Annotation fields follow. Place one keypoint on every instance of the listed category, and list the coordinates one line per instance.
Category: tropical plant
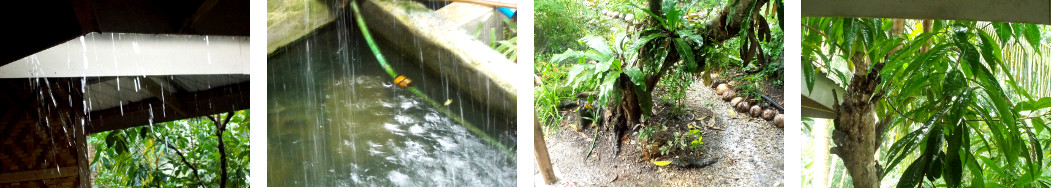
(942, 112)
(196, 152)
(509, 46)
(625, 68)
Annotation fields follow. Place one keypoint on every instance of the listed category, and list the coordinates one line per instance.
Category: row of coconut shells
(757, 109)
(627, 17)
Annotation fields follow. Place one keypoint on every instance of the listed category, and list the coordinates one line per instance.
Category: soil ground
(750, 151)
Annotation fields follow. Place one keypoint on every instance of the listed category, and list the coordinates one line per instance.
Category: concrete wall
(471, 65)
(289, 20)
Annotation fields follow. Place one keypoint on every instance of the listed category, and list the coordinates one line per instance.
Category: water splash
(338, 122)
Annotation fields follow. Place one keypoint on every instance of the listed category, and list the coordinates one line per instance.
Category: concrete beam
(1022, 11)
(125, 54)
(818, 103)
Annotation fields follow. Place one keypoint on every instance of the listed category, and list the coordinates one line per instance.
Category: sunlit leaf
(661, 163)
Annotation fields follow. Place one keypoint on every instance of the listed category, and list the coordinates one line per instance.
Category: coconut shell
(743, 106)
(769, 114)
(735, 101)
(779, 121)
(755, 111)
(729, 95)
(722, 88)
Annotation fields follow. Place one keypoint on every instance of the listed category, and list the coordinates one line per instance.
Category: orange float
(402, 81)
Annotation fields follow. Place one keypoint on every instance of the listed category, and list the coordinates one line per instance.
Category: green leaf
(636, 76)
(672, 18)
(1018, 31)
(603, 66)
(597, 43)
(934, 167)
(808, 75)
(850, 35)
(684, 51)
(934, 140)
(1035, 105)
(953, 163)
(649, 12)
(1003, 30)
(913, 174)
(1032, 34)
(573, 73)
(645, 101)
(901, 149)
(606, 88)
(143, 132)
(990, 50)
(111, 139)
(642, 41)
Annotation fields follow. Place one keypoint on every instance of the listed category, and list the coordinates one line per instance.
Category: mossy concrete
(289, 20)
(445, 49)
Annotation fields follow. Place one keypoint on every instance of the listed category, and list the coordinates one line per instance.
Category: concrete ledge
(1025, 11)
(446, 49)
(289, 20)
(475, 20)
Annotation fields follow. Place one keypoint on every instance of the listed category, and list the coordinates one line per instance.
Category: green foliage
(600, 67)
(953, 113)
(677, 83)
(509, 46)
(646, 133)
(559, 23)
(548, 95)
(146, 156)
(602, 64)
(695, 143)
(691, 139)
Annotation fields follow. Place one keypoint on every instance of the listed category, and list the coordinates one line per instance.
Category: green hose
(390, 71)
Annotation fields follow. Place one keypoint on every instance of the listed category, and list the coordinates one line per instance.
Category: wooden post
(542, 158)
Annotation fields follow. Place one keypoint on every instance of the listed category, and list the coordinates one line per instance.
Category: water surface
(335, 119)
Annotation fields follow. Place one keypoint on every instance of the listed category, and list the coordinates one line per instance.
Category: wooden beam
(212, 101)
(80, 138)
(205, 7)
(155, 88)
(33, 175)
(85, 16)
(543, 161)
(1020, 11)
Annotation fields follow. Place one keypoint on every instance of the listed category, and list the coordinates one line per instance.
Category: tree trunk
(855, 125)
(927, 28)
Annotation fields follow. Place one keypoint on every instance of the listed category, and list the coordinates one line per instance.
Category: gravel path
(750, 151)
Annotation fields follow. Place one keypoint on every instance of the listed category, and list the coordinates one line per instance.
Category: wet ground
(750, 151)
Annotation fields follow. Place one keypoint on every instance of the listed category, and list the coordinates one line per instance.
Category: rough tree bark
(855, 124)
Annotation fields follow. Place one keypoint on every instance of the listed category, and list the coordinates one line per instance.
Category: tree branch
(183, 159)
(220, 127)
